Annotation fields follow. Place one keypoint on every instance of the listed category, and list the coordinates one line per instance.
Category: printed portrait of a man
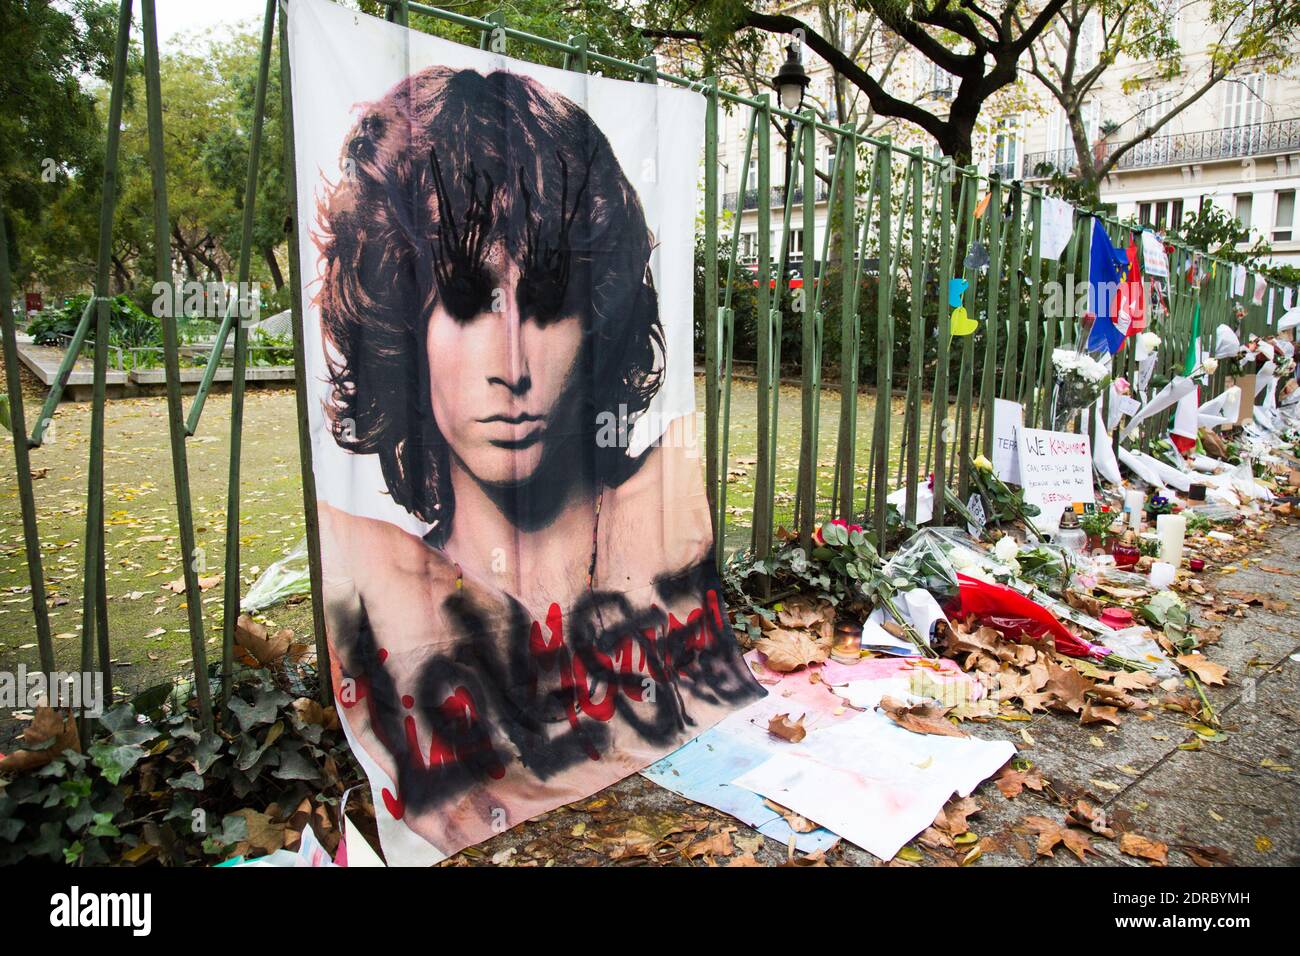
(487, 308)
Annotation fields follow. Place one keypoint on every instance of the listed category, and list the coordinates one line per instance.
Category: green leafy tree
(1088, 38)
(51, 135)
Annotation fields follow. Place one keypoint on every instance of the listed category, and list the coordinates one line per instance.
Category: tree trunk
(268, 253)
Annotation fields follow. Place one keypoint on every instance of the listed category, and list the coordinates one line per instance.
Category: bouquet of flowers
(1080, 378)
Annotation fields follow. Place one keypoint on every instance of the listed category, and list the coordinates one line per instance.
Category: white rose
(1006, 549)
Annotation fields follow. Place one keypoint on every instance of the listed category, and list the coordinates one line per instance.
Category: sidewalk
(1232, 800)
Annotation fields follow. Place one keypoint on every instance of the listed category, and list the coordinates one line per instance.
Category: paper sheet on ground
(874, 783)
(705, 769)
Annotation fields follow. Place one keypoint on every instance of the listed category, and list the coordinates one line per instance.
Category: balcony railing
(778, 197)
(1255, 139)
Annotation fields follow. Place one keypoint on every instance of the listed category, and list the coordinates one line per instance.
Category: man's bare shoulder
(366, 548)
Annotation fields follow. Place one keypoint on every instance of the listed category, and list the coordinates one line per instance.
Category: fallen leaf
(787, 650)
(1133, 844)
(782, 726)
(1208, 671)
(920, 718)
(1013, 782)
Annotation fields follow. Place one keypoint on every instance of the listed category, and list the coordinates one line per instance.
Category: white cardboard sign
(1008, 419)
(1055, 469)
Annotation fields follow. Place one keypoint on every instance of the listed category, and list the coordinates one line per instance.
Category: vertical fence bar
(1015, 289)
(939, 414)
(171, 362)
(884, 345)
(915, 341)
(231, 597)
(761, 532)
(965, 388)
(848, 332)
(300, 371)
(711, 342)
(810, 358)
(988, 383)
(91, 616)
(22, 461)
(1030, 362)
(727, 321)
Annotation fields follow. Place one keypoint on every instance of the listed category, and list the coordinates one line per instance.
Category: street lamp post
(791, 81)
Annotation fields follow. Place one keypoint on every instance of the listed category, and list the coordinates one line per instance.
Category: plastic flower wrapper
(922, 562)
(1046, 566)
(933, 557)
(1080, 379)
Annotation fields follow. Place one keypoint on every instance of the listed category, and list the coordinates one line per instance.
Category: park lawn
(147, 622)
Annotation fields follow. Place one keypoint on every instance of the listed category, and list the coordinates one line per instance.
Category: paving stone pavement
(1221, 796)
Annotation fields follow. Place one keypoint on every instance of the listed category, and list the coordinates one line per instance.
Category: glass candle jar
(846, 645)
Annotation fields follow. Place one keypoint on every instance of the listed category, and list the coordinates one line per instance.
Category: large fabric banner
(497, 262)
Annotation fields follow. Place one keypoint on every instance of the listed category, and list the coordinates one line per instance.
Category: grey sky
(195, 16)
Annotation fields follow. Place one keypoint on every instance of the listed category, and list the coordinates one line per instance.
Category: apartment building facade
(1237, 147)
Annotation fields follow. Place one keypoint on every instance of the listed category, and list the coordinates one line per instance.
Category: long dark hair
(447, 164)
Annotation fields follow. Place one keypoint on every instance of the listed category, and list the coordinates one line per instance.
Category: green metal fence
(900, 226)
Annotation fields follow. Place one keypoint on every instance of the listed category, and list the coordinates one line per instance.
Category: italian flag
(1183, 434)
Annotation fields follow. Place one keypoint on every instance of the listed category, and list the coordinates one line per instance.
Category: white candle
(1172, 530)
(1162, 575)
(1133, 502)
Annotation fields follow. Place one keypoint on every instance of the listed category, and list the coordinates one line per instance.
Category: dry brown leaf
(1050, 833)
(1084, 814)
(787, 650)
(797, 823)
(1134, 680)
(251, 635)
(717, 844)
(1013, 782)
(952, 818)
(1208, 671)
(1067, 687)
(921, 718)
(178, 586)
(47, 725)
(1099, 713)
(1078, 843)
(1133, 844)
(1207, 855)
(782, 726)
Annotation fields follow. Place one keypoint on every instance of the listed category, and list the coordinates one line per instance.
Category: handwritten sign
(1055, 469)
(1008, 418)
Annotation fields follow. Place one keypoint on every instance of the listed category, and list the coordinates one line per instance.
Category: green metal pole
(22, 462)
(884, 346)
(300, 374)
(916, 342)
(231, 597)
(939, 413)
(761, 532)
(1015, 290)
(848, 333)
(804, 515)
(91, 614)
(63, 374)
(966, 381)
(711, 341)
(190, 553)
(1029, 363)
(988, 382)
